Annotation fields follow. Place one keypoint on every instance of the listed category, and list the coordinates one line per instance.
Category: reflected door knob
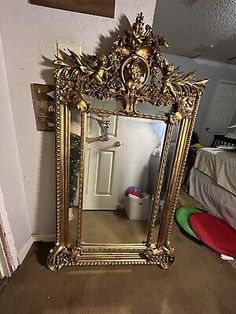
(117, 144)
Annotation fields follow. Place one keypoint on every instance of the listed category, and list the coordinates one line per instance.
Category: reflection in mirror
(74, 163)
(111, 216)
(154, 168)
(108, 161)
(148, 108)
(116, 197)
(169, 162)
(111, 104)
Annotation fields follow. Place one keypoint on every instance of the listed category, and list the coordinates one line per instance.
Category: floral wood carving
(163, 256)
(61, 256)
(134, 71)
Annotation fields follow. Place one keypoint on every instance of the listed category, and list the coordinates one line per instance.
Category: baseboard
(44, 237)
(23, 252)
(32, 239)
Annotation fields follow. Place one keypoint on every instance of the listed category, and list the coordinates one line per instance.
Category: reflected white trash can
(137, 208)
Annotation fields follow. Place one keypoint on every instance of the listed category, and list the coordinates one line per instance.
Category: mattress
(213, 196)
(220, 165)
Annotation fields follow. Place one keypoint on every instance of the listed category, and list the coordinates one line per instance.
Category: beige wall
(137, 147)
(29, 34)
(11, 179)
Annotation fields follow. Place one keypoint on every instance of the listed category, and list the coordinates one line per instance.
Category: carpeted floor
(198, 282)
(97, 228)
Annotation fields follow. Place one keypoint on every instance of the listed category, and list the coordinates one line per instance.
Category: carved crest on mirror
(134, 72)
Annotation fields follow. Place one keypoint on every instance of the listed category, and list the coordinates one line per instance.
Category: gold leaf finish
(134, 71)
(162, 256)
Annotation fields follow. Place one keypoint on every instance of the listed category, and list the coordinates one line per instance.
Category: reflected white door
(123, 161)
(102, 168)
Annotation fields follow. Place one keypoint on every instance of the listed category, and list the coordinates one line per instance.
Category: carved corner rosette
(184, 90)
(163, 256)
(63, 256)
(134, 71)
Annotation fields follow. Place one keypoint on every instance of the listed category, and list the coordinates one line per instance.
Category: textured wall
(11, 181)
(29, 33)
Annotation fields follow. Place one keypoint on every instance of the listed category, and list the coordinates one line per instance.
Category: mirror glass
(168, 170)
(148, 108)
(105, 104)
(117, 183)
(122, 161)
(74, 155)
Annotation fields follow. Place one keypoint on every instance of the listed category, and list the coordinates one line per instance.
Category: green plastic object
(181, 215)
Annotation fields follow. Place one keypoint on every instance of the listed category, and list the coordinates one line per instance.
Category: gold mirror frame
(151, 78)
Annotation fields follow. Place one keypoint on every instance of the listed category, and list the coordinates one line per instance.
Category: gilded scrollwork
(134, 71)
(163, 256)
(184, 89)
(63, 256)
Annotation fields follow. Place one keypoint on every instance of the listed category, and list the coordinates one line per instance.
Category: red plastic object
(134, 191)
(214, 232)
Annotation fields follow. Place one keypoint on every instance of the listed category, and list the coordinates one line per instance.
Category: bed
(212, 180)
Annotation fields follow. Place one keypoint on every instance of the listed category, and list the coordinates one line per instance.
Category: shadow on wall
(47, 73)
(46, 205)
(106, 42)
(45, 223)
(104, 47)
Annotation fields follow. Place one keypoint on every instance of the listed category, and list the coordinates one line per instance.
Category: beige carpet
(115, 226)
(110, 227)
(198, 283)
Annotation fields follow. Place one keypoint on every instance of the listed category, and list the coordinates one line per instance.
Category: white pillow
(231, 132)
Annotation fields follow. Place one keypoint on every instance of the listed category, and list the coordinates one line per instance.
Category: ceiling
(198, 28)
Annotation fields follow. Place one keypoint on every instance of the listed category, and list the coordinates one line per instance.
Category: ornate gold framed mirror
(123, 127)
